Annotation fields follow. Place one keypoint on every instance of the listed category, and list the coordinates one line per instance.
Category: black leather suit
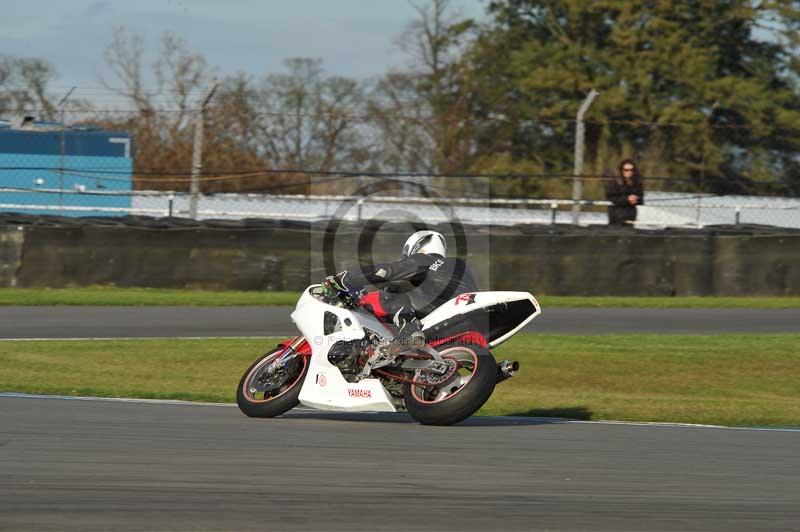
(417, 284)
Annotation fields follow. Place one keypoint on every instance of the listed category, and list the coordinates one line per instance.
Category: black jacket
(617, 192)
(427, 280)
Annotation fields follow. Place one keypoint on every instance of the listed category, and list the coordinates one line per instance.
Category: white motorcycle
(337, 363)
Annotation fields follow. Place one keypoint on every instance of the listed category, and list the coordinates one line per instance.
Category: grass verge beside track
(745, 380)
(112, 296)
(141, 297)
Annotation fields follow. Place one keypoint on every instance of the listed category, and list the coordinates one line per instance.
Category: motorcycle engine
(349, 357)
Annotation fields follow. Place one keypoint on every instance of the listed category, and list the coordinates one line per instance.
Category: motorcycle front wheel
(266, 392)
(461, 395)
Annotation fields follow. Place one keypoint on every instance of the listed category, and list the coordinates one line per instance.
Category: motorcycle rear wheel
(255, 402)
(460, 396)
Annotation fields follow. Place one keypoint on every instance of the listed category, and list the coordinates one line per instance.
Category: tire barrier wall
(11, 239)
(542, 259)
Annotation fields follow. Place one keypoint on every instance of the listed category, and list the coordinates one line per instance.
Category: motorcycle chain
(424, 383)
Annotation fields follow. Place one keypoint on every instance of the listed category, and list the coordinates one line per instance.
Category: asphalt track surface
(138, 322)
(106, 465)
(69, 464)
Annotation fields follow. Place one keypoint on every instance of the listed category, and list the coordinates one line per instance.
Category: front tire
(262, 395)
(461, 395)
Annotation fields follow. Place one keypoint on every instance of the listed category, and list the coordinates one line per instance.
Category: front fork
(291, 350)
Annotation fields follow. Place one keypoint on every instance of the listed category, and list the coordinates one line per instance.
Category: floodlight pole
(62, 117)
(197, 149)
(580, 133)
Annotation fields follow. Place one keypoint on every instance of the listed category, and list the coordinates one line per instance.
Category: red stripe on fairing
(468, 337)
(372, 301)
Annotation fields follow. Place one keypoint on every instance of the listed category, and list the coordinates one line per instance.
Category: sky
(354, 38)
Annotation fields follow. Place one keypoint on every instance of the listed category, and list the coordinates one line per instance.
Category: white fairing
(324, 386)
(502, 313)
(478, 301)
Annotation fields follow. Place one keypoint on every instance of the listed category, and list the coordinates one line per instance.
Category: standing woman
(625, 192)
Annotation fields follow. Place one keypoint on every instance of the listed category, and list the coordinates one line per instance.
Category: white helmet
(426, 242)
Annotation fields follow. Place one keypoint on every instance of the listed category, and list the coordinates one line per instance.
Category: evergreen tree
(703, 89)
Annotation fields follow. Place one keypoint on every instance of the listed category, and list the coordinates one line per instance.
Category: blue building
(77, 172)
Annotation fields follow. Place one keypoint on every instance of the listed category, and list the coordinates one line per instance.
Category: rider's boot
(409, 338)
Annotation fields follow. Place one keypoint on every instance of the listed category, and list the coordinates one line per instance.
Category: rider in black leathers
(412, 287)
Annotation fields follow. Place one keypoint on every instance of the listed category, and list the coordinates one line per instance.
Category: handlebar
(340, 298)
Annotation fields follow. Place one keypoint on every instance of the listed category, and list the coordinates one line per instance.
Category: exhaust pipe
(506, 370)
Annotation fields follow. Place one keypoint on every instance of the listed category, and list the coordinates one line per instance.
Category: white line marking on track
(683, 425)
(323, 412)
(112, 399)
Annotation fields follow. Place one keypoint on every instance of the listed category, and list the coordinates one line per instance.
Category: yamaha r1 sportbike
(338, 362)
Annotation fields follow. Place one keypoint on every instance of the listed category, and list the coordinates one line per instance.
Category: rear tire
(259, 403)
(460, 396)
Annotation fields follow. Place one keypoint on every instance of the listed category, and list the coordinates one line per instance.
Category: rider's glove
(334, 284)
(337, 281)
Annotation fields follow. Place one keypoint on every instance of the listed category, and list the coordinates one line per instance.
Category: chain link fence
(261, 163)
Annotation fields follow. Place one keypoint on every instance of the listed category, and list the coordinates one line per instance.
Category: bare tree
(23, 86)
(162, 118)
(309, 120)
(426, 108)
(399, 120)
(124, 56)
(178, 75)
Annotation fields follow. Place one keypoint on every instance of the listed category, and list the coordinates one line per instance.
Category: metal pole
(580, 132)
(197, 149)
(706, 139)
(62, 117)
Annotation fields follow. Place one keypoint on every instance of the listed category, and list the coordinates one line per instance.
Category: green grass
(112, 296)
(745, 380)
(669, 302)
